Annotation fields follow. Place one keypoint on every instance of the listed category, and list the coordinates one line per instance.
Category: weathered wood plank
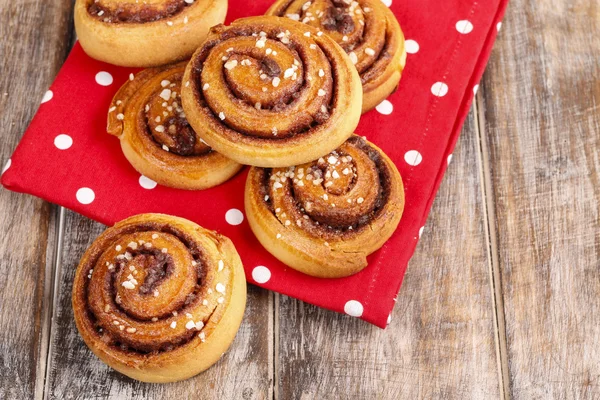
(542, 123)
(32, 47)
(441, 340)
(74, 372)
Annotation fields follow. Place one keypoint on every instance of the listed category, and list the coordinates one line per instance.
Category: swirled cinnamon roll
(156, 138)
(158, 298)
(145, 33)
(271, 92)
(366, 29)
(325, 217)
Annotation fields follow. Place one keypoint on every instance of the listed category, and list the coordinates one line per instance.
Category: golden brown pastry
(158, 298)
(147, 33)
(146, 115)
(271, 92)
(325, 217)
(366, 29)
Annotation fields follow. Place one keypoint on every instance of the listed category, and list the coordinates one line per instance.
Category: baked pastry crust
(325, 217)
(147, 117)
(132, 33)
(271, 92)
(158, 298)
(366, 29)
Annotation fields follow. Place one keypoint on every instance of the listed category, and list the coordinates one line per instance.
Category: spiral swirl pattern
(366, 29)
(154, 288)
(145, 33)
(146, 114)
(264, 87)
(324, 217)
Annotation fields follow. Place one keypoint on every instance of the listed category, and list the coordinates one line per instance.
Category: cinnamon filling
(136, 13)
(158, 267)
(338, 194)
(167, 123)
(255, 71)
(379, 66)
(152, 266)
(338, 19)
(361, 31)
(270, 67)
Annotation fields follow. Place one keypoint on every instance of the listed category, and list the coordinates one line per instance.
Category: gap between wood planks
(52, 273)
(489, 214)
(274, 345)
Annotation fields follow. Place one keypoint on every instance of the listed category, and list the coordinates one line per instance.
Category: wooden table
(500, 300)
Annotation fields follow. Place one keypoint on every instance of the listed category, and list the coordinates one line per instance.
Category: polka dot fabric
(67, 157)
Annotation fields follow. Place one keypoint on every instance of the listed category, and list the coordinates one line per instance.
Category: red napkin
(66, 157)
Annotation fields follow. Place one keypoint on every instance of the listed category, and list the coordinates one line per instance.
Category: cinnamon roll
(366, 29)
(146, 33)
(325, 217)
(146, 115)
(158, 298)
(271, 92)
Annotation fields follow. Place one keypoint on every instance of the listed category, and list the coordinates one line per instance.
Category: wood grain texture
(441, 340)
(32, 48)
(74, 372)
(540, 134)
(542, 124)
